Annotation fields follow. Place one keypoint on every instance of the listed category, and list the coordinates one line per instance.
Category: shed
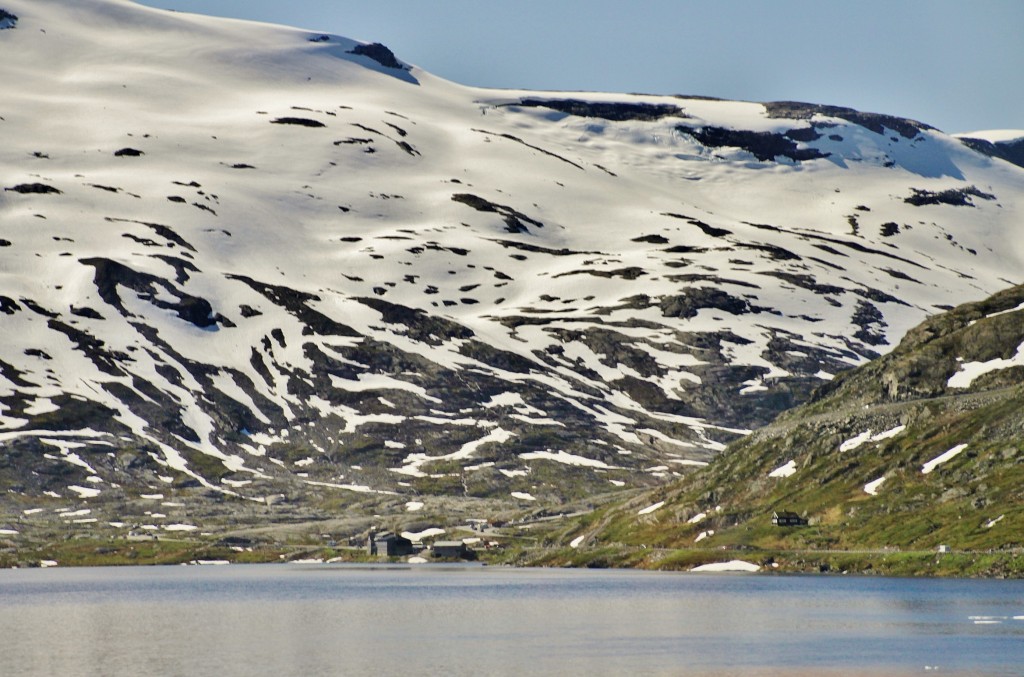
(786, 518)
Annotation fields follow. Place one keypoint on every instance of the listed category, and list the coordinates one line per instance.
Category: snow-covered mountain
(254, 259)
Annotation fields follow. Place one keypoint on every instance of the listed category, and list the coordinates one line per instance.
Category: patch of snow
(565, 458)
(414, 506)
(575, 543)
(704, 534)
(698, 518)
(180, 527)
(84, 492)
(969, 371)
(942, 458)
(854, 442)
(786, 470)
(731, 566)
(523, 496)
(873, 487)
(8, 532)
(867, 436)
(992, 523)
(417, 536)
(152, 497)
(416, 559)
(651, 508)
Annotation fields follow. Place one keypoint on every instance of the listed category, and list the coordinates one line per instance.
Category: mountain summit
(248, 260)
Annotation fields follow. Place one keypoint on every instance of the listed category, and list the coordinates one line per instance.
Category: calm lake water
(431, 620)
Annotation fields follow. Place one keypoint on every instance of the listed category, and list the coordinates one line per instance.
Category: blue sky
(953, 64)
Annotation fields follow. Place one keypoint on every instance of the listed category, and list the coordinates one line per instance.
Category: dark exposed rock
(765, 146)
(871, 323)
(301, 122)
(805, 282)
(616, 112)
(7, 20)
(1011, 151)
(8, 306)
(379, 53)
(796, 110)
(652, 239)
(33, 188)
(957, 197)
(705, 228)
(421, 326)
(295, 302)
(128, 152)
(513, 218)
(692, 301)
(111, 274)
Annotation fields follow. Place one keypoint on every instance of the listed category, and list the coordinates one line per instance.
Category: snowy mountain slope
(255, 259)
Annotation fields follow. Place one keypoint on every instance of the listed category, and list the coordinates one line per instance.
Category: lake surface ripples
(436, 619)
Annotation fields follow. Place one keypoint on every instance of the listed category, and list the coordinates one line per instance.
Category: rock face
(296, 287)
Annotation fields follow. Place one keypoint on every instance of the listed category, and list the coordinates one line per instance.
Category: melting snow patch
(872, 487)
(84, 492)
(8, 532)
(734, 565)
(180, 527)
(47, 563)
(420, 535)
(972, 370)
(942, 458)
(413, 506)
(31, 511)
(854, 442)
(704, 534)
(866, 436)
(651, 508)
(152, 497)
(523, 496)
(416, 559)
(575, 543)
(565, 458)
(992, 523)
(784, 470)
(698, 518)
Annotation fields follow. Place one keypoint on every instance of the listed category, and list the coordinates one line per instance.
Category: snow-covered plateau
(256, 260)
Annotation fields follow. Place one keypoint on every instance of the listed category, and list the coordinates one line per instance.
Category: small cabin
(451, 550)
(785, 518)
(389, 545)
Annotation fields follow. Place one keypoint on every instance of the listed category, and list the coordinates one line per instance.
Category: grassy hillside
(940, 421)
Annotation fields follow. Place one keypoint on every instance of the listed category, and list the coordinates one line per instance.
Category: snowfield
(256, 255)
